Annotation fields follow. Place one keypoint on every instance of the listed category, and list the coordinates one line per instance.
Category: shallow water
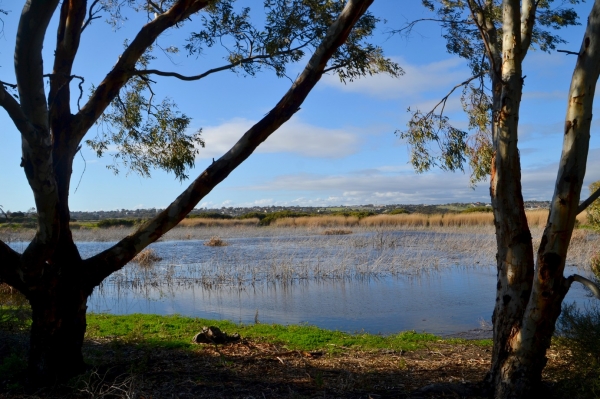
(442, 283)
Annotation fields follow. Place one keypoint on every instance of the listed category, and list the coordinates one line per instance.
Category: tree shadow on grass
(254, 369)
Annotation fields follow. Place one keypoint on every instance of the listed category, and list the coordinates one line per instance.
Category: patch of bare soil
(250, 369)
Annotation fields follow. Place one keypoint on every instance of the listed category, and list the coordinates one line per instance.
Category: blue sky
(340, 148)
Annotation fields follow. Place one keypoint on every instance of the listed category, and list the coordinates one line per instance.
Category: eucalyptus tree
(494, 37)
(331, 35)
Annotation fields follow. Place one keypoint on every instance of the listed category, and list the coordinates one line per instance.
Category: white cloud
(398, 185)
(294, 136)
(418, 79)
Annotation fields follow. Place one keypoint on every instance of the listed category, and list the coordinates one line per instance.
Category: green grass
(177, 332)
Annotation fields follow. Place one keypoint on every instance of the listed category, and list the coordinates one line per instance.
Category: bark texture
(530, 293)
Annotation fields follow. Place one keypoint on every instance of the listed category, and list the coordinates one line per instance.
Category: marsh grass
(535, 218)
(336, 232)
(282, 257)
(215, 241)
(211, 222)
(146, 258)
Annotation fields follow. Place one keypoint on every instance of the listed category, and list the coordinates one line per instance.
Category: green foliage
(106, 223)
(291, 28)
(593, 211)
(398, 211)
(357, 214)
(147, 135)
(579, 332)
(270, 217)
(209, 215)
(15, 313)
(434, 141)
(475, 209)
(253, 215)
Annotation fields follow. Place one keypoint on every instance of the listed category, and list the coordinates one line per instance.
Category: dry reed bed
(534, 218)
(366, 254)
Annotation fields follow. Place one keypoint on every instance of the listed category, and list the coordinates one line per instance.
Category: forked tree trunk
(520, 355)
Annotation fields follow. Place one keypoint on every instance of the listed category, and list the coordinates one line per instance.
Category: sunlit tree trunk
(522, 335)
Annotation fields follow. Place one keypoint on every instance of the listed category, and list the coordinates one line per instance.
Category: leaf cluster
(593, 211)
(146, 134)
(460, 21)
(141, 134)
(291, 29)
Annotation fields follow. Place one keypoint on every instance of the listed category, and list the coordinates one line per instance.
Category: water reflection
(379, 282)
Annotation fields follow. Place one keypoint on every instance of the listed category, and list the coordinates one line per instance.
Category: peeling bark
(529, 300)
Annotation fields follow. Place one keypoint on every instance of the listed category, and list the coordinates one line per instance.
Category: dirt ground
(250, 369)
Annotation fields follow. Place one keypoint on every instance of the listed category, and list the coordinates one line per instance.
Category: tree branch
(567, 52)
(37, 147)
(29, 62)
(582, 207)
(487, 30)
(91, 15)
(13, 108)
(443, 101)
(219, 69)
(406, 30)
(589, 284)
(528, 9)
(124, 68)
(72, 15)
(105, 263)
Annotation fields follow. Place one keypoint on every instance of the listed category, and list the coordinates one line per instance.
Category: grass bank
(152, 356)
(177, 332)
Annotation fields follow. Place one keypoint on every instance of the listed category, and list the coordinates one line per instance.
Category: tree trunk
(520, 356)
(57, 330)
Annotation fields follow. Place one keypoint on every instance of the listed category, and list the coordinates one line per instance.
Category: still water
(368, 282)
(378, 282)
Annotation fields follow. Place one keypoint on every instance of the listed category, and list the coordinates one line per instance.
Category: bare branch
(589, 284)
(103, 264)
(72, 15)
(443, 101)
(582, 207)
(567, 52)
(248, 60)
(92, 15)
(407, 29)
(124, 68)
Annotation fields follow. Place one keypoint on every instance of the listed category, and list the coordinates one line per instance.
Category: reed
(210, 222)
(215, 241)
(146, 258)
(336, 232)
(317, 221)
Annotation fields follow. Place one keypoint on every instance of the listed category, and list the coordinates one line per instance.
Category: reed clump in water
(215, 241)
(336, 232)
(146, 258)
